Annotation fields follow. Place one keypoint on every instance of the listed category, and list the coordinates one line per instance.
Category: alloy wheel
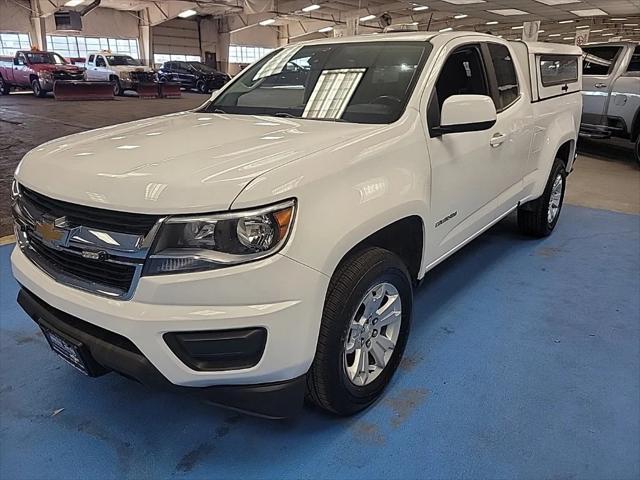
(372, 335)
(555, 199)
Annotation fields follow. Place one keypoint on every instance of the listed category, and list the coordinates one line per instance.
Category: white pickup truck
(123, 71)
(266, 245)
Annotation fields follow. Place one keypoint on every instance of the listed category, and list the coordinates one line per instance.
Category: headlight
(45, 75)
(124, 75)
(188, 244)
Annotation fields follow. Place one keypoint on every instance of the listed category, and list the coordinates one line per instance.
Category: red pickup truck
(35, 70)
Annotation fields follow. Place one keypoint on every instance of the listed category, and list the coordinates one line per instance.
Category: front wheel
(201, 86)
(37, 88)
(4, 88)
(117, 88)
(365, 326)
(538, 218)
(637, 149)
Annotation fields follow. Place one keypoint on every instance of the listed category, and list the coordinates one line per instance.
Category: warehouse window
(73, 47)
(11, 42)
(160, 58)
(247, 54)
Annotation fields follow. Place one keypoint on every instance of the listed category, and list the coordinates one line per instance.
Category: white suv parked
(267, 243)
(123, 71)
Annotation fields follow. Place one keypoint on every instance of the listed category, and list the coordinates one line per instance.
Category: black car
(194, 75)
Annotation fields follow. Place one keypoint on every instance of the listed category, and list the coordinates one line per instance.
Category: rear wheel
(4, 88)
(37, 88)
(365, 326)
(538, 218)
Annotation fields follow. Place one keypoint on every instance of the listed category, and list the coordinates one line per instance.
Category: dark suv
(194, 75)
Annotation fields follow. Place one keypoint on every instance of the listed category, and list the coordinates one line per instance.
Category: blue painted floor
(524, 361)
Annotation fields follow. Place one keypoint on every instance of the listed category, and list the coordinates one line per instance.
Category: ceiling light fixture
(419, 8)
(590, 12)
(448, 29)
(325, 29)
(540, 31)
(607, 34)
(464, 2)
(554, 34)
(507, 12)
(630, 24)
(492, 22)
(557, 2)
(311, 8)
(187, 13)
(367, 18)
(568, 38)
(268, 21)
(566, 21)
(618, 19)
(583, 26)
(460, 16)
(519, 27)
(598, 31)
(73, 3)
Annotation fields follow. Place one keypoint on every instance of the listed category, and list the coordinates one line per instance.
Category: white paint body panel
(350, 180)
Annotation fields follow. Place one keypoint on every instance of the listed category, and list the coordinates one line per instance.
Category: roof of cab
(552, 48)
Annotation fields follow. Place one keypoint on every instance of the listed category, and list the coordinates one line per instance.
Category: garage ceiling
(605, 17)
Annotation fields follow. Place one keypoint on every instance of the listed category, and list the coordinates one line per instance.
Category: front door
(598, 73)
(100, 71)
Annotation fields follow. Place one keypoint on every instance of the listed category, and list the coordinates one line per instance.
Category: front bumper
(278, 294)
(111, 352)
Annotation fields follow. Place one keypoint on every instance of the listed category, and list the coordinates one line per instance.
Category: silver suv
(611, 92)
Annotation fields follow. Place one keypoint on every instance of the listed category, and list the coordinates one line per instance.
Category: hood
(180, 163)
(47, 67)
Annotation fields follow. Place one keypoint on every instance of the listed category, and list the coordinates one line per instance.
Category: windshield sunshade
(368, 82)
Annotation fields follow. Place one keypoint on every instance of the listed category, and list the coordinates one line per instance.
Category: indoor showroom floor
(524, 361)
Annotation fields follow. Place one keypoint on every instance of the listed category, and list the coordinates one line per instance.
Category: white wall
(103, 22)
(176, 36)
(15, 17)
(257, 36)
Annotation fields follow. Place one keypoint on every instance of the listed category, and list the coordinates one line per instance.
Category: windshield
(202, 67)
(122, 60)
(367, 82)
(45, 57)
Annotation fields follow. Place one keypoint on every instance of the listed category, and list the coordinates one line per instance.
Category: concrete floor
(523, 362)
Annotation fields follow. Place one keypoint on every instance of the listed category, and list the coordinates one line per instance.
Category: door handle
(600, 85)
(497, 139)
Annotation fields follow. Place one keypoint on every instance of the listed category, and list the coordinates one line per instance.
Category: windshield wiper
(284, 115)
(218, 110)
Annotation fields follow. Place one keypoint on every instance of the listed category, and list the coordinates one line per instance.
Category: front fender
(349, 191)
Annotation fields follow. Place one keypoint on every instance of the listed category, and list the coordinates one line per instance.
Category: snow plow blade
(77, 90)
(169, 90)
(147, 90)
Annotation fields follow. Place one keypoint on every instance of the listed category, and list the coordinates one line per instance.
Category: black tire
(4, 88)
(637, 149)
(201, 86)
(533, 218)
(37, 88)
(328, 384)
(117, 88)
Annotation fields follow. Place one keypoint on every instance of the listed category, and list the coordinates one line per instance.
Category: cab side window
(634, 64)
(91, 58)
(506, 77)
(100, 61)
(462, 74)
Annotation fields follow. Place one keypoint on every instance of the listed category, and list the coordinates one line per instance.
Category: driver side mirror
(466, 113)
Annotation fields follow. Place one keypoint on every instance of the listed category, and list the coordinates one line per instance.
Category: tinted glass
(45, 57)
(462, 74)
(634, 64)
(599, 60)
(557, 69)
(91, 57)
(505, 75)
(100, 62)
(122, 60)
(358, 82)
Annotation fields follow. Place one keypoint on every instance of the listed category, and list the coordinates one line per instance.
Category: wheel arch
(404, 237)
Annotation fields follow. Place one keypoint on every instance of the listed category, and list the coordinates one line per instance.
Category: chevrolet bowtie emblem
(50, 231)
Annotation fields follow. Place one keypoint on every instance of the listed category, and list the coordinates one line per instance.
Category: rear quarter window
(558, 69)
(600, 60)
(506, 76)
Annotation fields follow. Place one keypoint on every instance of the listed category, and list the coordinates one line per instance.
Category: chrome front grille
(97, 250)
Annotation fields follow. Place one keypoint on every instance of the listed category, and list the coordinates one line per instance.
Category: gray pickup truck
(611, 92)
